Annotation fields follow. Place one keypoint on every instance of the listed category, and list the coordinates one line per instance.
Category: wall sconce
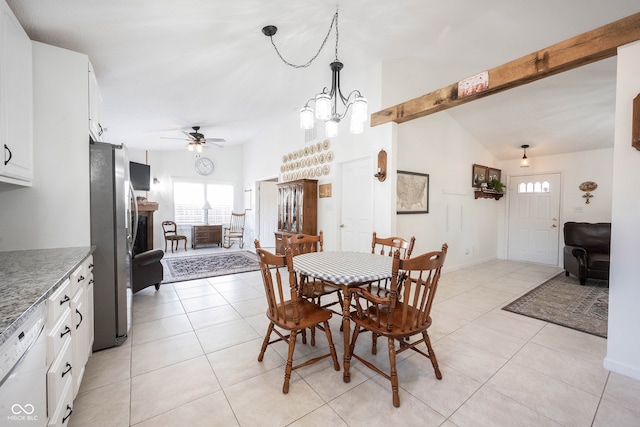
(382, 166)
(206, 208)
(524, 163)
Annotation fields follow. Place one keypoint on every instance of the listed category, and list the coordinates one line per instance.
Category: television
(140, 176)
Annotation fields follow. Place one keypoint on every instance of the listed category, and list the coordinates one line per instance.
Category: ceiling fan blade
(180, 139)
(216, 140)
(190, 136)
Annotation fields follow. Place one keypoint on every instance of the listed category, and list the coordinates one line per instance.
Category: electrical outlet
(577, 209)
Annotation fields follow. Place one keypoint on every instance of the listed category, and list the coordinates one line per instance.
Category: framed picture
(412, 193)
(494, 174)
(479, 175)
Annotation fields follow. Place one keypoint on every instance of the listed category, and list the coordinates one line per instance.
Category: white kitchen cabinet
(82, 314)
(16, 100)
(95, 107)
(69, 340)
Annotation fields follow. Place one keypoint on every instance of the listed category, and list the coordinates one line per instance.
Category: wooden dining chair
(170, 230)
(288, 311)
(386, 246)
(309, 287)
(405, 312)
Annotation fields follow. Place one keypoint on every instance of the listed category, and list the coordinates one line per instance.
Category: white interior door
(356, 220)
(268, 213)
(534, 209)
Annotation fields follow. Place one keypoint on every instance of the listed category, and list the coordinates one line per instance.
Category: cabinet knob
(341, 225)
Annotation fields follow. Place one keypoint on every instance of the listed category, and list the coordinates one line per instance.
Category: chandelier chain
(333, 21)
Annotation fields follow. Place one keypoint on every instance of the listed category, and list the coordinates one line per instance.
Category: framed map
(412, 193)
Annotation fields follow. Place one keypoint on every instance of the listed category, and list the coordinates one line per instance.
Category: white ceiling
(165, 65)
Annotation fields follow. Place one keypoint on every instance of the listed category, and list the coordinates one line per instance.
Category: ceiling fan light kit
(326, 102)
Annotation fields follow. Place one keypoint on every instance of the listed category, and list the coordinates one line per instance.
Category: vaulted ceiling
(165, 65)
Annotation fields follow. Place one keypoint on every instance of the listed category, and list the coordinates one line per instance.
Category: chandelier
(328, 102)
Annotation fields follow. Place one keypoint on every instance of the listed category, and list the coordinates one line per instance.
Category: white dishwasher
(23, 374)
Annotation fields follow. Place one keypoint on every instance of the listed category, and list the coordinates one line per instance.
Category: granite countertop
(28, 277)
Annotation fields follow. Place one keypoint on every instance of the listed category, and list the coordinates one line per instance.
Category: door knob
(341, 225)
(554, 226)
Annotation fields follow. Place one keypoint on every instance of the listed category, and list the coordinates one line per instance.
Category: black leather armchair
(146, 270)
(587, 249)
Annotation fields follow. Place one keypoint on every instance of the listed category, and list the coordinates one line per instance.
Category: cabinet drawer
(59, 376)
(58, 302)
(62, 412)
(58, 336)
(76, 279)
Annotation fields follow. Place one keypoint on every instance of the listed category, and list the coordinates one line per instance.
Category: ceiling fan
(197, 140)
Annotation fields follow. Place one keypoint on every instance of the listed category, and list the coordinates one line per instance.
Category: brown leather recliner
(146, 270)
(587, 249)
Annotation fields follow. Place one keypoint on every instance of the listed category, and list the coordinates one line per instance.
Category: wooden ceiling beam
(592, 46)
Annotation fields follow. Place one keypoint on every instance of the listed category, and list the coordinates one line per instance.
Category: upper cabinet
(95, 108)
(16, 100)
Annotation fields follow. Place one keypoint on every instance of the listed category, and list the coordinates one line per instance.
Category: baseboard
(621, 368)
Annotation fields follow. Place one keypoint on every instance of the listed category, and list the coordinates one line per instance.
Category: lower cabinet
(206, 235)
(69, 341)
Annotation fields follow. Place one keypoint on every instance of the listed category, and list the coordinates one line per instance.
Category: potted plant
(496, 185)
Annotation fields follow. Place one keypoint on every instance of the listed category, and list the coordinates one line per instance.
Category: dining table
(347, 270)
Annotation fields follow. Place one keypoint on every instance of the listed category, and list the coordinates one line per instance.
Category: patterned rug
(199, 266)
(563, 301)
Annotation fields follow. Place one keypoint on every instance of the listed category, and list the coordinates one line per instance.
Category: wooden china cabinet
(297, 209)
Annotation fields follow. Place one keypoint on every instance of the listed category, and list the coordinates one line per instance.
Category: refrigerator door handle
(135, 216)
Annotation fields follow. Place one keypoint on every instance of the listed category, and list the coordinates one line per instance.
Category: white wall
(439, 146)
(623, 343)
(55, 212)
(168, 165)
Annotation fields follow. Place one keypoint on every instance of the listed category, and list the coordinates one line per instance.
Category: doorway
(267, 212)
(356, 210)
(534, 215)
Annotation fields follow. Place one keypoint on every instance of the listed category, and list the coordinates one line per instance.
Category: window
(534, 187)
(189, 197)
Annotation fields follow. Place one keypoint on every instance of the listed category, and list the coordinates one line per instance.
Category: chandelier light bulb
(190, 147)
(323, 106)
(359, 109)
(307, 120)
(331, 128)
(199, 148)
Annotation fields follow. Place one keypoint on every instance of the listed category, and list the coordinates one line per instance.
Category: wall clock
(204, 166)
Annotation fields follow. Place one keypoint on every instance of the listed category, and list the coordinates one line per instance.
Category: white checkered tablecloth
(343, 268)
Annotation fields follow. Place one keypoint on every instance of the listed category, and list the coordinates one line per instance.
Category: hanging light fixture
(327, 102)
(524, 163)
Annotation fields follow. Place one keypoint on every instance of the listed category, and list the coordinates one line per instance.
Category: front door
(534, 213)
(356, 220)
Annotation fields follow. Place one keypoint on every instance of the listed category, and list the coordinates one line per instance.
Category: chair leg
(332, 348)
(432, 355)
(394, 373)
(265, 342)
(313, 336)
(289, 367)
(374, 343)
(185, 245)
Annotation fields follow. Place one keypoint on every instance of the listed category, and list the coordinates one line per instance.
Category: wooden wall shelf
(487, 194)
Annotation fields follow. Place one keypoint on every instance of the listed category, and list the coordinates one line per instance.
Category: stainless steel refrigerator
(112, 236)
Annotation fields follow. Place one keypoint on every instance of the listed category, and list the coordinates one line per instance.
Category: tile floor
(192, 361)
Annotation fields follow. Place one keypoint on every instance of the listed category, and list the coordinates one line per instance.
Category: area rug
(192, 267)
(563, 301)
